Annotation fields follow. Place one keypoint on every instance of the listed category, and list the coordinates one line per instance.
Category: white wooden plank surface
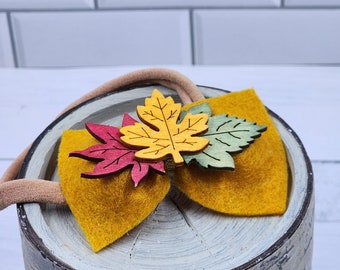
(307, 97)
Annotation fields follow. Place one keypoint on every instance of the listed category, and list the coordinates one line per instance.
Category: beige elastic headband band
(38, 190)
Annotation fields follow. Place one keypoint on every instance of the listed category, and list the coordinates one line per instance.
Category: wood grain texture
(179, 233)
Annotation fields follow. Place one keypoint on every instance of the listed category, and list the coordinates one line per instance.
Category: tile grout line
(12, 39)
(192, 37)
(320, 161)
(7, 159)
(96, 6)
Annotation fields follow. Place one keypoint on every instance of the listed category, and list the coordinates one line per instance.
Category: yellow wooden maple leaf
(163, 136)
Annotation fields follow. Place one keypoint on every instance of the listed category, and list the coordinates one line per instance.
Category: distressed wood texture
(179, 234)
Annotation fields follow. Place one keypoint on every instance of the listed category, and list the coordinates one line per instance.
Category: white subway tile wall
(46, 4)
(267, 36)
(312, 3)
(102, 38)
(64, 33)
(187, 3)
(6, 54)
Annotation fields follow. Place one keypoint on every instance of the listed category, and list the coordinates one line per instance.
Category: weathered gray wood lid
(179, 234)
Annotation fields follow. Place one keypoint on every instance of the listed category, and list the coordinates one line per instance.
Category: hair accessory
(112, 155)
(112, 178)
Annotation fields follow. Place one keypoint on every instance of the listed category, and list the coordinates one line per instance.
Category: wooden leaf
(161, 136)
(128, 120)
(212, 156)
(201, 108)
(226, 135)
(113, 156)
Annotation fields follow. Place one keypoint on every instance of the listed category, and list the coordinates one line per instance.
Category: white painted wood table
(306, 97)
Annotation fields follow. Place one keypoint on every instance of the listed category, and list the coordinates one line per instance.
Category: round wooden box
(179, 234)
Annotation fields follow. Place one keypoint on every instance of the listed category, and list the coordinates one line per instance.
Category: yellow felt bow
(107, 208)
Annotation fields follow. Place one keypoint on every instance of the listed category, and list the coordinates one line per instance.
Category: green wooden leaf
(226, 135)
(213, 156)
(202, 108)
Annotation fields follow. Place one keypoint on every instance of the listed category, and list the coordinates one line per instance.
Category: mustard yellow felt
(109, 207)
(258, 185)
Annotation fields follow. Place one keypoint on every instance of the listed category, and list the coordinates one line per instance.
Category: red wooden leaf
(113, 156)
(128, 120)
